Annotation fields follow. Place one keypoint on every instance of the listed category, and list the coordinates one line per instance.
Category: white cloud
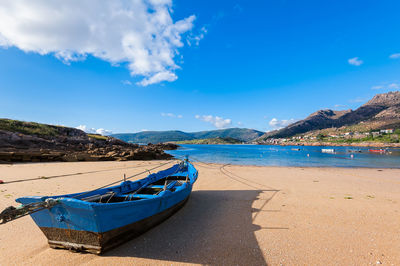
(277, 124)
(171, 115)
(157, 78)
(140, 33)
(126, 82)
(103, 131)
(357, 100)
(394, 56)
(85, 128)
(339, 106)
(216, 121)
(387, 86)
(168, 114)
(355, 61)
(4, 42)
(195, 39)
(92, 130)
(380, 87)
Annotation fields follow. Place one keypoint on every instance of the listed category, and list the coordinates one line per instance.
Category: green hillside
(217, 140)
(241, 134)
(153, 136)
(29, 128)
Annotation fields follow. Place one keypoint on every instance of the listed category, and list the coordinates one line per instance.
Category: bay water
(300, 156)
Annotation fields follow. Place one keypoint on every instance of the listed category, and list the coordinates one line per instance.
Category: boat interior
(134, 191)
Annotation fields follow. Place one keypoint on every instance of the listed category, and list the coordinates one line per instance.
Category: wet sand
(236, 215)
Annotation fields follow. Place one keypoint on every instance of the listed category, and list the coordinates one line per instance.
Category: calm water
(286, 156)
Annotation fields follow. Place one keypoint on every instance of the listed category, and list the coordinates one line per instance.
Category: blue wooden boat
(98, 220)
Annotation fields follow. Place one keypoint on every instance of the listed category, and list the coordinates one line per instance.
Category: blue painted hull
(94, 221)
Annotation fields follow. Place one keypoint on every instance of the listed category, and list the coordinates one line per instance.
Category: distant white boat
(328, 150)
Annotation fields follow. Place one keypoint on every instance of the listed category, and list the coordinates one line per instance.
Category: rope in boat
(145, 185)
(118, 181)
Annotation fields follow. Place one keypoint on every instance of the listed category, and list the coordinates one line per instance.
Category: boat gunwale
(69, 198)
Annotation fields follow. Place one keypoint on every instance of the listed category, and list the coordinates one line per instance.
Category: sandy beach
(236, 215)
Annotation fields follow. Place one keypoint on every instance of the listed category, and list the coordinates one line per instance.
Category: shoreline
(313, 144)
(300, 167)
(330, 144)
(207, 163)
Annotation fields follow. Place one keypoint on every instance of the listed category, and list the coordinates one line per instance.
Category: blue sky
(255, 64)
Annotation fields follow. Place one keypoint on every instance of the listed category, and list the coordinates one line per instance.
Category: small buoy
(308, 155)
(351, 156)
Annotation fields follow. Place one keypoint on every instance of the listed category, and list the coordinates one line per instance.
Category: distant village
(384, 135)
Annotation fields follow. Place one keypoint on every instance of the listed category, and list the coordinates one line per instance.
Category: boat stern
(70, 224)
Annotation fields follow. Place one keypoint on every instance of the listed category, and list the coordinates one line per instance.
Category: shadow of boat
(215, 227)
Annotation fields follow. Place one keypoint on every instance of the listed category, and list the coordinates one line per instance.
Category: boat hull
(98, 220)
(97, 243)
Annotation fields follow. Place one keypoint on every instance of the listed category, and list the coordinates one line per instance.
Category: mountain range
(381, 112)
(241, 134)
